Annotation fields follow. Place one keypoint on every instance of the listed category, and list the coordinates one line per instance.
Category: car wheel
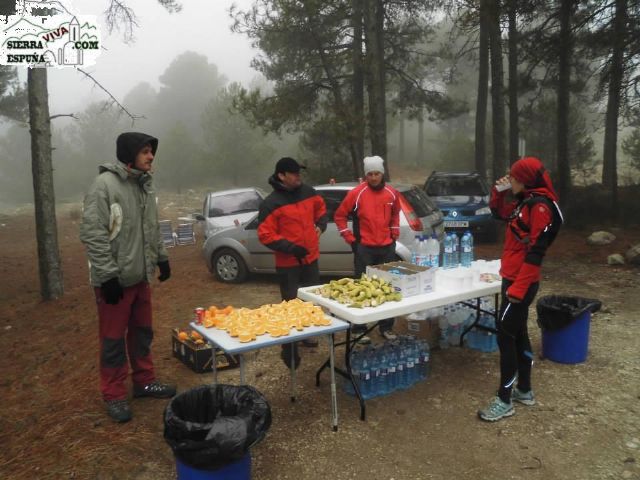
(228, 266)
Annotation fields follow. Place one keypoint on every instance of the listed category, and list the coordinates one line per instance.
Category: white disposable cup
(501, 187)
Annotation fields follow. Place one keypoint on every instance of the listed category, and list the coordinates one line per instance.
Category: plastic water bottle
(400, 366)
(423, 252)
(447, 261)
(423, 360)
(456, 250)
(415, 248)
(392, 368)
(433, 247)
(466, 253)
(443, 323)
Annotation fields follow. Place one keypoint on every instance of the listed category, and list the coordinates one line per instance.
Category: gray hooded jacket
(120, 221)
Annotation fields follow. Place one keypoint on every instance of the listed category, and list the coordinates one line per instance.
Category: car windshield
(450, 186)
(231, 203)
(419, 201)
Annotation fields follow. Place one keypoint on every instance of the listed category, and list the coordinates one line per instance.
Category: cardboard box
(424, 329)
(199, 357)
(406, 278)
(426, 275)
(407, 282)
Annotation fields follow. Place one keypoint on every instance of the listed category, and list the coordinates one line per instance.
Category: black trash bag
(209, 426)
(557, 311)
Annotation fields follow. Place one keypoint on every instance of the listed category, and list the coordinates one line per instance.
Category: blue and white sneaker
(526, 398)
(496, 410)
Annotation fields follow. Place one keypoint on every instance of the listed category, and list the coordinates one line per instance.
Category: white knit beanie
(373, 164)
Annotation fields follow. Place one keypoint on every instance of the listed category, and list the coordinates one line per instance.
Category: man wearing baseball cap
(291, 220)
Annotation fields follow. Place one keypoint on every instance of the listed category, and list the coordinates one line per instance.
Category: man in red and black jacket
(291, 220)
(375, 207)
(533, 219)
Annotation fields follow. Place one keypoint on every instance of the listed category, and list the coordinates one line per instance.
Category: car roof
(401, 187)
(231, 191)
(454, 174)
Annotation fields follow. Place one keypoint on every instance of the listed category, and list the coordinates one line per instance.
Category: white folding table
(233, 346)
(415, 303)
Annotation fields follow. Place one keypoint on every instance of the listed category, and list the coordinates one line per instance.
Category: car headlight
(483, 211)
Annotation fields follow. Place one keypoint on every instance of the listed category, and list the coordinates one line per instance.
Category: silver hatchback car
(233, 252)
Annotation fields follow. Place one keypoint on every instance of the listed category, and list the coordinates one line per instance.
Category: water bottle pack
(383, 369)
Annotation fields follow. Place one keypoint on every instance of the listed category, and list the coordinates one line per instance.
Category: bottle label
(400, 367)
(410, 364)
(376, 373)
(365, 376)
(383, 372)
(392, 370)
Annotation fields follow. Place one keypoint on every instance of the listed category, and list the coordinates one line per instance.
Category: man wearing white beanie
(375, 208)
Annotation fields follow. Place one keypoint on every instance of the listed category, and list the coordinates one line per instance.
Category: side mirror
(199, 217)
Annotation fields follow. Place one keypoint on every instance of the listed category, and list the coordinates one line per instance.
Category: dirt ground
(586, 424)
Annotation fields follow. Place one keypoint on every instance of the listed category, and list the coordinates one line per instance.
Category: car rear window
(332, 199)
(451, 186)
(234, 203)
(419, 201)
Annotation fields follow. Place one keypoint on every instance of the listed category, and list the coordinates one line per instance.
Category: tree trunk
(374, 38)
(514, 131)
(401, 139)
(50, 270)
(420, 152)
(358, 89)
(483, 91)
(565, 50)
(616, 71)
(497, 87)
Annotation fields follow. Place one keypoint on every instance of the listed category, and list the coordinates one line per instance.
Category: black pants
(516, 356)
(364, 256)
(292, 278)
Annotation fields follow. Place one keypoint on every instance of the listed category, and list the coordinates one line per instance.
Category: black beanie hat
(129, 144)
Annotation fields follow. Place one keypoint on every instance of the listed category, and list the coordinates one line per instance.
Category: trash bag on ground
(558, 311)
(211, 426)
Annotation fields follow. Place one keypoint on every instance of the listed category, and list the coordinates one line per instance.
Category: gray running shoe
(496, 410)
(526, 398)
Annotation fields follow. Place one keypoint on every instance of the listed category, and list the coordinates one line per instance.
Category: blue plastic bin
(240, 470)
(569, 344)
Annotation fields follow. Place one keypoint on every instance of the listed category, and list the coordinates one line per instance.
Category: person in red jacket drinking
(375, 207)
(291, 220)
(533, 221)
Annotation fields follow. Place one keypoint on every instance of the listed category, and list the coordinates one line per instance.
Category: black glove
(112, 291)
(165, 270)
(299, 251)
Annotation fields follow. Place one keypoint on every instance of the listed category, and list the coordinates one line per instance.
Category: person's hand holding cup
(503, 184)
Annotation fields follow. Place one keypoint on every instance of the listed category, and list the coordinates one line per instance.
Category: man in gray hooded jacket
(121, 233)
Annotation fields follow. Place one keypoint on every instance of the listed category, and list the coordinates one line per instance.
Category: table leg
(293, 375)
(347, 363)
(334, 398)
(214, 366)
(242, 372)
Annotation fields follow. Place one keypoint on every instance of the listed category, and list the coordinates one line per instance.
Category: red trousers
(125, 328)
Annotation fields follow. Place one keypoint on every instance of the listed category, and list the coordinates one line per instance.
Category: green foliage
(14, 104)
(538, 128)
(631, 146)
(234, 150)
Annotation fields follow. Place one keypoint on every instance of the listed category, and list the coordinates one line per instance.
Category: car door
(262, 258)
(335, 254)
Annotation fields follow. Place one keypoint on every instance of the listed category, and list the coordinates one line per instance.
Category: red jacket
(288, 218)
(376, 215)
(529, 233)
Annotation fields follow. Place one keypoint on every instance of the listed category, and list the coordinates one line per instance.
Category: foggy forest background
(305, 97)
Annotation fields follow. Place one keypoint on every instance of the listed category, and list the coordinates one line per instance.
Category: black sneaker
(155, 390)
(118, 410)
(285, 355)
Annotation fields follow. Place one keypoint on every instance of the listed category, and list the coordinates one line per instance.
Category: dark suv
(463, 198)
